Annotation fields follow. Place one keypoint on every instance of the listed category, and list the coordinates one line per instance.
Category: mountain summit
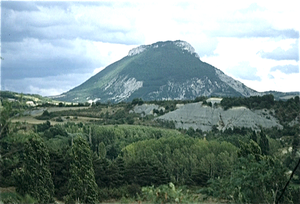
(170, 70)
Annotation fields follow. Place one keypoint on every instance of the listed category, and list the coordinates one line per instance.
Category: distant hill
(22, 97)
(160, 71)
(282, 95)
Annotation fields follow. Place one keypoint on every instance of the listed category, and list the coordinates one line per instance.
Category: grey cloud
(34, 58)
(281, 54)
(46, 86)
(67, 4)
(61, 20)
(287, 69)
(19, 6)
(271, 32)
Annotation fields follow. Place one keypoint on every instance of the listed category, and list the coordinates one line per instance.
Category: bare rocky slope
(203, 117)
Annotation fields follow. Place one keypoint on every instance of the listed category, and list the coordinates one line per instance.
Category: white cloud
(278, 81)
(46, 86)
(287, 69)
(288, 52)
(244, 71)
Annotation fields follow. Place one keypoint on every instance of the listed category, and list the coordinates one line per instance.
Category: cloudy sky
(51, 47)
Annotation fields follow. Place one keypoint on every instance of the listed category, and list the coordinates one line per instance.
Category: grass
(76, 119)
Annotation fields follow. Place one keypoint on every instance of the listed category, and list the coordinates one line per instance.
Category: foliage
(284, 111)
(43, 127)
(253, 102)
(137, 101)
(178, 157)
(34, 178)
(11, 198)
(237, 165)
(45, 116)
(255, 178)
(117, 137)
(165, 194)
(264, 143)
(6, 113)
(82, 187)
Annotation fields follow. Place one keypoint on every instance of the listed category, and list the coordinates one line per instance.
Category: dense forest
(119, 156)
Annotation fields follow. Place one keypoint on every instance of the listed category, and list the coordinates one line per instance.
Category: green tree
(5, 118)
(251, 148)
(264, 143)
(34, 178)
(82, 187)
(253, 136)
(101, 150)
(254, 179)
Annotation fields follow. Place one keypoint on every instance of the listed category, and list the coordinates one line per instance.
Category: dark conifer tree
(264, 143)
(253, 136)
(34, 178)
(82, 187)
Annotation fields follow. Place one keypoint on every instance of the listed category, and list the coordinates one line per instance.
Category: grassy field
(75, 119)
(29, 116)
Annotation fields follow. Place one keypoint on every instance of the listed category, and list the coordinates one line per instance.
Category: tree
(251, 148)
(34, 178)
(82, 187)
(101, 150)
(5, 117)
(253, 136)
(264, 143)
(255, 178)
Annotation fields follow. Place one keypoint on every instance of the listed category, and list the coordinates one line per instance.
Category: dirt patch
(8, 190)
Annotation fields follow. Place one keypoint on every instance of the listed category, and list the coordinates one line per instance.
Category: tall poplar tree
(82, 187)
(34, 178)
(264, 143)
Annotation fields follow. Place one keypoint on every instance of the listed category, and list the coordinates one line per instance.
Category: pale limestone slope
(197, 116)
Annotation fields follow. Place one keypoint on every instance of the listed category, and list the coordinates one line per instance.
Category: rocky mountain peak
(185, 46)
(137, 50)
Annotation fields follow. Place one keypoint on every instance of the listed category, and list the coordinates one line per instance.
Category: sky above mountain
(51, 47)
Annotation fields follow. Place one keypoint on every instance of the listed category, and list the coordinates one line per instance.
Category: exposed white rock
(110, 83)
(202, 117)
(214, 100)
(179, 90)
(137, 50)
(30, 103)
(124, 87)
(147, 109)
(186, 46)
(93, 101)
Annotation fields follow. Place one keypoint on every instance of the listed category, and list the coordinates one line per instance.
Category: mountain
(170, 70)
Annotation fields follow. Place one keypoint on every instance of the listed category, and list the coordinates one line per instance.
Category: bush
(165, 194)
(59, 119)
(45, 116)
(134, 190)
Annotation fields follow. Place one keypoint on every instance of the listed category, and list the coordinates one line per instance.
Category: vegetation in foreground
(126, 158)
